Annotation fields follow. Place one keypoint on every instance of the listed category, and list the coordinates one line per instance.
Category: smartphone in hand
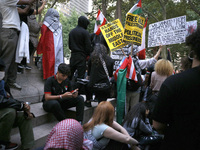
(74, 91)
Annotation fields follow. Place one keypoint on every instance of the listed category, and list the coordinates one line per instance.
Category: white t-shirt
(98, 131)
(8, 9)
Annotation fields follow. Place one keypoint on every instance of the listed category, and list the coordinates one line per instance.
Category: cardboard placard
(167, 32)
(133, 29)
(113, 34)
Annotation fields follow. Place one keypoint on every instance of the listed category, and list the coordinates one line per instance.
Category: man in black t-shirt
(177, 110)
(59, 95)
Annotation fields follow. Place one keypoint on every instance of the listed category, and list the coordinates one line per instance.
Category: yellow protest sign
(113, 34)
(133, 29)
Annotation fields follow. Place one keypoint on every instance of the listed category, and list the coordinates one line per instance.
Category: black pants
(78, 62)
(101, 95)
(57, 107)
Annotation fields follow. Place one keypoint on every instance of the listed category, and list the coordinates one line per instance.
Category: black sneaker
(87, 104)
(20, 66)
(11, 146)
(27, 67)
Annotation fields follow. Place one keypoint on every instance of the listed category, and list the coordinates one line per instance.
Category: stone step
(40, 134)
(32, 85)
(44, 122)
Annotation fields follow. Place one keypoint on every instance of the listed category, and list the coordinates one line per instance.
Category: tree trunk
(193, 7)
(163, 6)
(54, 3)
(104, 6)
(118, 10)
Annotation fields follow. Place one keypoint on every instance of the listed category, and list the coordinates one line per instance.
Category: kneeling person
(57, 96)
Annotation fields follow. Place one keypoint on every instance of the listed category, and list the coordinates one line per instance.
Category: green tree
(68, 23)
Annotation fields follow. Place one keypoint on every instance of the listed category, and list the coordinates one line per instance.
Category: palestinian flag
(137, 8)
(141, 49)
(100, 21)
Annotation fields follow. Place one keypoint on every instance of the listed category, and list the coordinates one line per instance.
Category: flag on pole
(122, 65)
(121, 95)
(137, 8)
(127, 63)
(100, 21)
(131, 72)
(141, 49)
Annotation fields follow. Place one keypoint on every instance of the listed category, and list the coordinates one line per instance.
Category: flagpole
(123, 52)
(131, 49)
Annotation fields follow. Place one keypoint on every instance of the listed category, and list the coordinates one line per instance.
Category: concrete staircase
(32, 85)
(32, 91)
(44, 122)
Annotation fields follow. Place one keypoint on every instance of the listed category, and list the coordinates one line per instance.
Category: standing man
(59, 95)
(9, 37)
(177, 109)
(133, 88)
(80, 46)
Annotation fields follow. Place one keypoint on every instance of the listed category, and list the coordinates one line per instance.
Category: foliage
(151, 9)
(154, 11)
(68, 23)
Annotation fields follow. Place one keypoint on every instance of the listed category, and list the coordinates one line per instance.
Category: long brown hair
(104, 113)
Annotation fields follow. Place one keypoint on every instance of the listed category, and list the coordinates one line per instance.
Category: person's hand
(160, 48)
(26, 107)
(44, 2)
(133, 147)
(31, 2)
(67, 95)
(147, 112)
(75, 93)
(27, 113)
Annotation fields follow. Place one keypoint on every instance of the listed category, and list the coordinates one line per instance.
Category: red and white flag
(100, 21)
(141, 49)
(131, 72)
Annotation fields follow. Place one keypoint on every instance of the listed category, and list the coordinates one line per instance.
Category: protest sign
(133, 29)
(113, 34)
(167, 32)
(118, 55)
(191, 27)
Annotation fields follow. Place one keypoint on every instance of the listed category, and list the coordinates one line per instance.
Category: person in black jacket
(80, 46)
(98, 78)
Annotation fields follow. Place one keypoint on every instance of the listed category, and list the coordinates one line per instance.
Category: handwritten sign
(118, 55)
(133, 29)
(113, 34)
(167, 32)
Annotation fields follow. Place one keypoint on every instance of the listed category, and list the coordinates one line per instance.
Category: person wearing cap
(59, 95)
(9, 118)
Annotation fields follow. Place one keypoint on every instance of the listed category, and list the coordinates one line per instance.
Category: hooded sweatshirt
(79, 38)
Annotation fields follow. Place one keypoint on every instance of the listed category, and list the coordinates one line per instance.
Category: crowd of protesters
(167, 106)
